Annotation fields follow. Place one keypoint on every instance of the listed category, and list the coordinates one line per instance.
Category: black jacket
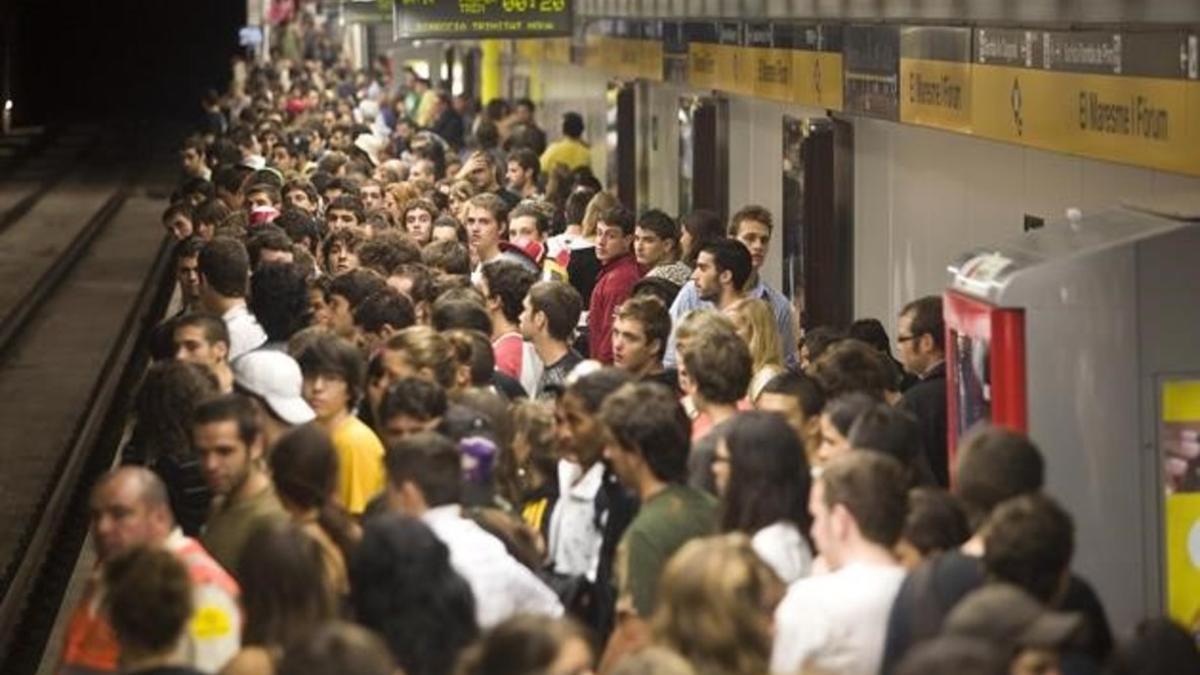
(926, 400)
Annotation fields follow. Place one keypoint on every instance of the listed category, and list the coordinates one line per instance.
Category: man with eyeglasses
(921, 342)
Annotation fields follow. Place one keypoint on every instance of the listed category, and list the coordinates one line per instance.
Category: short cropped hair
(872, 487)
(800, 387)
(299, 226)
(619, 216)
(279, 299)
(346, 202)
(572, 124)
(229, 408)
(386, 306)
(214, 327)
(527, 160)
(357, 285)
(460, 312)
(149, 599)
(561, 304)
(1029, 541)
(225, 266)
(646, 418)
(527, 209)
(731, 255)
(994, 465)
(413, 397)
(509, 283)
(758, 214)
(429, 461)
(719, 363)
(649, 311)
(492, 204)
(658, 222)
(927, 319)
(854, 366)
(450, 257)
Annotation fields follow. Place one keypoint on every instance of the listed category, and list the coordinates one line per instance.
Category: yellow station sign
(818, 79)
(702, 64)
(1152, 122)
(936, 94)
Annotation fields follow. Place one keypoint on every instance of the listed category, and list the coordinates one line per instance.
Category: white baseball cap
(274, 377)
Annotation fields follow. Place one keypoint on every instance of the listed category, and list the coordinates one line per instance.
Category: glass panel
(974, 390)
(687, 113)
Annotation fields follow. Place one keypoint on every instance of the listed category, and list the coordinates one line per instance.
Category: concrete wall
(923, 196)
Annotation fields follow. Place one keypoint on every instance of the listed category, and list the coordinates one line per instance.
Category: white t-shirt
(574, 540)
(245, 333)
(502, 586)
(785, 550)
(836, 623)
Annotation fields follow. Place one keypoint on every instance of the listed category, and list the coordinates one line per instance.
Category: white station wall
(756, 164)
(564, 88)
(922, 196)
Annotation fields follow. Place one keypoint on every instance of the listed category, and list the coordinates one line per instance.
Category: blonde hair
(425, 348)
(716, 600)
(402, 193)
(700, 321)
(602, 202)
(763, 340)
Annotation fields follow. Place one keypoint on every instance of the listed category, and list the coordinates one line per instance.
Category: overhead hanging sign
(935, 77)
(872, 71)
(473, 19)
(1121, 98)
(817, 66)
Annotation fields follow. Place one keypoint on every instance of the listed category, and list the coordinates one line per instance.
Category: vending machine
(1086, 335)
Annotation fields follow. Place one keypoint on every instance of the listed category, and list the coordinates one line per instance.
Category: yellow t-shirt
(360, 464)
(570, 152)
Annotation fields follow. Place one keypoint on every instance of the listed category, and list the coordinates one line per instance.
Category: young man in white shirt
(224, 274)
(425, 481)
(836, 622)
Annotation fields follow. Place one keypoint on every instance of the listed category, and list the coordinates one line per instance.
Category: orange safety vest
(91, 645)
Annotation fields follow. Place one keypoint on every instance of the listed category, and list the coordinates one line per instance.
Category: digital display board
(472, 19)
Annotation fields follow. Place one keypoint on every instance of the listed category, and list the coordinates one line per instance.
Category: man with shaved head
(129, 509)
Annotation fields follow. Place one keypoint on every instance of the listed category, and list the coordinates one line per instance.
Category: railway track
(83, 270)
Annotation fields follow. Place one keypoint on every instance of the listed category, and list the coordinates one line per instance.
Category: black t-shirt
(669, 377)
(931, 591)
(582, 270)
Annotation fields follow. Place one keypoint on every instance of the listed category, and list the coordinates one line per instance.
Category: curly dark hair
(165, 402)
(279, 299)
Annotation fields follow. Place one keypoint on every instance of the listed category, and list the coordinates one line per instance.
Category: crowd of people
(434, 402)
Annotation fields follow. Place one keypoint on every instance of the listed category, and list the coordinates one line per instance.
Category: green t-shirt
(231, 525)
(665, 522)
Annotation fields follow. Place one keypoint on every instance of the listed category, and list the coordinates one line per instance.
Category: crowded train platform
(451, 363)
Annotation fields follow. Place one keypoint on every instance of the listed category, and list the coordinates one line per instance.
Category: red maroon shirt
(613, 286)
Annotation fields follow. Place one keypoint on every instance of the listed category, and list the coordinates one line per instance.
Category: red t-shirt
(508, 350)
